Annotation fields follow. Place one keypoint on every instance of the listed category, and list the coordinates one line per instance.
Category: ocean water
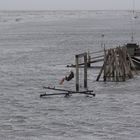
(35, 47)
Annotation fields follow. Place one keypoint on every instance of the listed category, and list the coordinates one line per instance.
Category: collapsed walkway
(118, 64)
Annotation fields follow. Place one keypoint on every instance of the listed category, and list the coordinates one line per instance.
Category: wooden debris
(65, 92)
(117, 65)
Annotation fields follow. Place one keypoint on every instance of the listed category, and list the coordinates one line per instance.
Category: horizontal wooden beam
(81, 55)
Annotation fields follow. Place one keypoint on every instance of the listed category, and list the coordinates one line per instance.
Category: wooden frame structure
(77, 57)
(67, 93)
(117, 65)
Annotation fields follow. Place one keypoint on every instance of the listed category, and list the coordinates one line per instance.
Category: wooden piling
(117, 65)
(77, 72)
(85, 71)
(84, 56)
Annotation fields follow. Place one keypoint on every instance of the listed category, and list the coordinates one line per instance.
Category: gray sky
(67, 4)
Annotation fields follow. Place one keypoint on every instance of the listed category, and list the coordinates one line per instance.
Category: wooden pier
(118, 65)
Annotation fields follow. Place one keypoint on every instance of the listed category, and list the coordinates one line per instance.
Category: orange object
(62, 81)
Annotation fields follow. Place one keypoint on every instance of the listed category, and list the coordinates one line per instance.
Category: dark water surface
(35, 47)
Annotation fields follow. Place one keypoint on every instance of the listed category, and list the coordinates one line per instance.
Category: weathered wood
(105, 62)
(132, 64)
(95, 52)
(66, 92)
(84, 56)
(85, 71)
(97, 57)
(77, 72)
(98, 77)
(117, 65)
(88, 60)
(102, 69)
(92, 61)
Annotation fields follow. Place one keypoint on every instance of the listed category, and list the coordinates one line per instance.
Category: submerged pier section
(117, 66)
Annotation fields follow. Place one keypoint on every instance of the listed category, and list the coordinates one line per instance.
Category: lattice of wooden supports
(117, 65)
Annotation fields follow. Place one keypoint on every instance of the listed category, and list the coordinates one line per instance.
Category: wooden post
(105, 63)
(85, 71)
(116, 65)
(89, 59)
(102, 69)
(77, 72)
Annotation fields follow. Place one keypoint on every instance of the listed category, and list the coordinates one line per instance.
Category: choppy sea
(35, 47)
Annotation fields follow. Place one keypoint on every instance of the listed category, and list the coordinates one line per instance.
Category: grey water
(35, 47)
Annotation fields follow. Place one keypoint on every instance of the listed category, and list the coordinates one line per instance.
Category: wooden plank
(59, 89)
(97, 57)
(80, 64)
(132, 64)
(97, 52)
(69, 93)
(100, 73)
(105, 62)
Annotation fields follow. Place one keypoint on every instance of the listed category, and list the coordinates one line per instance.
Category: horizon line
(68, 9)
